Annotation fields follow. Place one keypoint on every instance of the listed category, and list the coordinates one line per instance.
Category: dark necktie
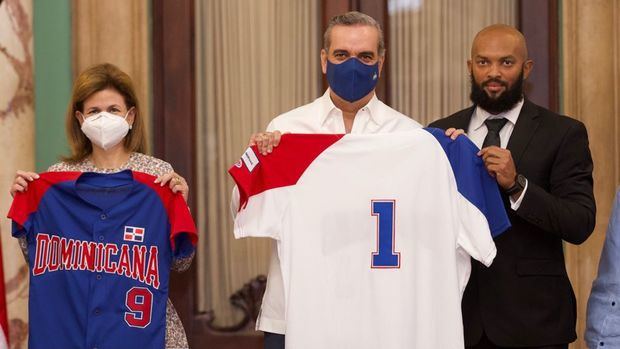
(493, 127)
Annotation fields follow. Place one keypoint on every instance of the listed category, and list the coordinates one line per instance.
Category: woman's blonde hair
(92, 80)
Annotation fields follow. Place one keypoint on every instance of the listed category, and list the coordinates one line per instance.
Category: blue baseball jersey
(100, 247)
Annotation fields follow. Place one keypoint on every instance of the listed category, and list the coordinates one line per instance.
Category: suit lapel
(524, 129)
(461, 120)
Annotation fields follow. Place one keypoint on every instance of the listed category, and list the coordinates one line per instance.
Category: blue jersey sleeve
(473, 180)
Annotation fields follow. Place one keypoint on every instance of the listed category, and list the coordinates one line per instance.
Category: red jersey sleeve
(183, 235)
(25, 203)
(258, 178)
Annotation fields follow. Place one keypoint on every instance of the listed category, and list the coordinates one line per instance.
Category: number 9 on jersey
(139, 301)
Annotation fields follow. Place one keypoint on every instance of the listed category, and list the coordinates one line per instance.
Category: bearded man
(542, 162)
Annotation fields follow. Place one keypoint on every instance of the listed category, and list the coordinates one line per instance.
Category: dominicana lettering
(55, 253)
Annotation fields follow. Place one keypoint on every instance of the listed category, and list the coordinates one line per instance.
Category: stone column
(17, 150)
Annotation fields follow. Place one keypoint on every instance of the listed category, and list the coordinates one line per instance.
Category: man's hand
(453, 132)
(265, 141)
(500, 165)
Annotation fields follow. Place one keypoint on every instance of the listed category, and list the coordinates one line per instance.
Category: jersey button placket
(100, 227)
(98, 234)
(98, 287)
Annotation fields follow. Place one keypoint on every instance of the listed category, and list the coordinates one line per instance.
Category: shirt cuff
(514, 205)
(234, 202)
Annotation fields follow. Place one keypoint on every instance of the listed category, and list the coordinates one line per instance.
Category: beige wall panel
(16, 148)
(591, 94)
(117, 32)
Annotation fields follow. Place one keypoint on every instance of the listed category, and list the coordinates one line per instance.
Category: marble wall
(17, 140)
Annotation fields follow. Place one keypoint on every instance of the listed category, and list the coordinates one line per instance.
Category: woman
(106, 134)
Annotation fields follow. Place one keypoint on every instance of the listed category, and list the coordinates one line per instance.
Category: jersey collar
(102, 180)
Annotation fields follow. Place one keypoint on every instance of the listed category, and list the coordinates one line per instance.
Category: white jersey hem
(266, 324)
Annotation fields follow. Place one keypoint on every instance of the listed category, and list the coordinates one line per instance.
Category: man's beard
(506, 100)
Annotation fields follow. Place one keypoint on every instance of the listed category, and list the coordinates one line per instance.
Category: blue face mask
(351, 80)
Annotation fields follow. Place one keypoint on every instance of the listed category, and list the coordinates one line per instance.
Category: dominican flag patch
(135, 234)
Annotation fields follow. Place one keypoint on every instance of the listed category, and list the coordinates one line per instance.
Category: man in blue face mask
(352, 64)
(352, 58)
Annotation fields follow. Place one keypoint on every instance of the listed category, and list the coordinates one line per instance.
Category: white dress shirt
(322, 116)
(477, 131)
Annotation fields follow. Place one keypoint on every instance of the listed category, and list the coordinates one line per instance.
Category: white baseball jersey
(374, 234)
(320, 116)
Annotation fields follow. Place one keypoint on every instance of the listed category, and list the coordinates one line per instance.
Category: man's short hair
(350, 19)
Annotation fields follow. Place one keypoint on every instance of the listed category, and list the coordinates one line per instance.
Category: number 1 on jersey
(385, 257)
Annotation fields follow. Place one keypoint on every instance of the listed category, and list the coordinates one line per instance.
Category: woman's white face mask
(105, 129)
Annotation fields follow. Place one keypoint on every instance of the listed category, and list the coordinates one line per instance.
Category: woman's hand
(22, 178)
(175, 182)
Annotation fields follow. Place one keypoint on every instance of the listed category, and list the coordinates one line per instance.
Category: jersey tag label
(249, 159)
(135, 234)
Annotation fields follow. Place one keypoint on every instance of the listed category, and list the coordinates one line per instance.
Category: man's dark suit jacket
(525, 297)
